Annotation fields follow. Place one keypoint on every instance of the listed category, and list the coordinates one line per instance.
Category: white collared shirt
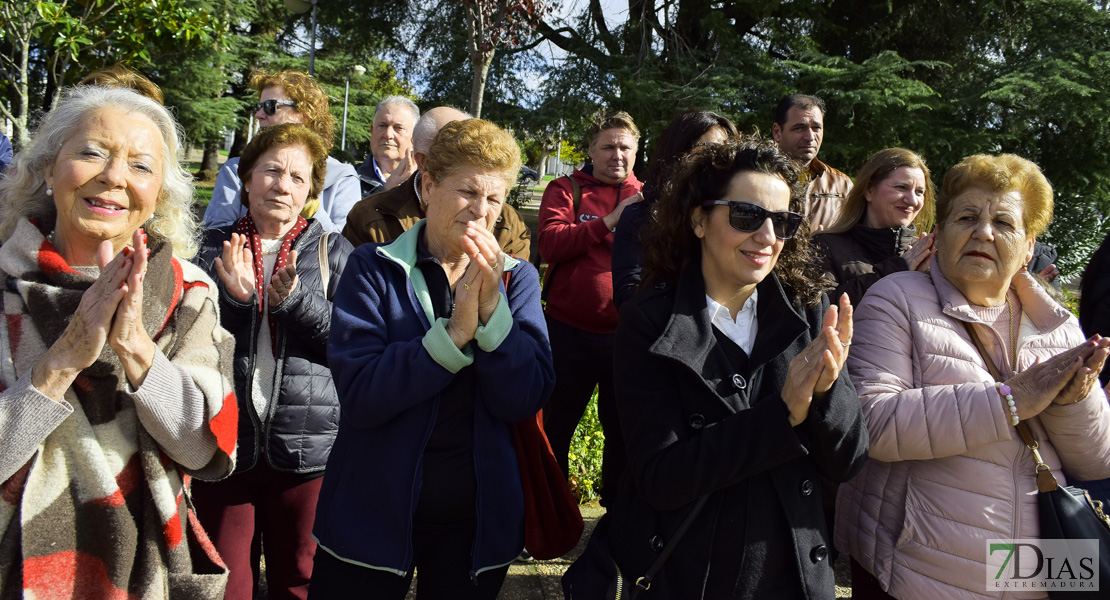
(743, 329)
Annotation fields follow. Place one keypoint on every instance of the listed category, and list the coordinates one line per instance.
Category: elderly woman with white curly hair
(116, 375)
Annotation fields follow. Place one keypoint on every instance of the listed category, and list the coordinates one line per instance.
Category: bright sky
(616, 11)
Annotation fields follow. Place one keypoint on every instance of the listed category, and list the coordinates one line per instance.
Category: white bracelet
(1008, 394)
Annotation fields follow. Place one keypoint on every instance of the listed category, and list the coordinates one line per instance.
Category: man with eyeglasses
(799, 129)
(290, 97)
(391, 161)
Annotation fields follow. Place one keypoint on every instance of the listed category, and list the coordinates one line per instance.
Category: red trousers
(262, 508)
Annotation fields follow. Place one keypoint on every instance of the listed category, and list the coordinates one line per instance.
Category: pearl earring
(49, 191)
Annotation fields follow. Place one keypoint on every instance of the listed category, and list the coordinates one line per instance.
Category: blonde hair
(1001, 173)
(311, 100)
(878, 168)
(120, 76)
(281, 136)
(617, 120)
(473, 142)
(23, 193)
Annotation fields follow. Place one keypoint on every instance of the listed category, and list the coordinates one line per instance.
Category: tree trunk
(22, 121)
(481, 65)
(211, 158)
(541, 170)
(480, 57)
(240, 140)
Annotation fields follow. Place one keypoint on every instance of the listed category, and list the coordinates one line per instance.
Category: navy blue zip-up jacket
(391, 361)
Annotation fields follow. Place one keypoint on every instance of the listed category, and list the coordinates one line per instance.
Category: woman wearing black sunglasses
(290, 97)
(729, 385)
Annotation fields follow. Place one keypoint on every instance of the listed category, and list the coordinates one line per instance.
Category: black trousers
(582, 361)
(442, 556)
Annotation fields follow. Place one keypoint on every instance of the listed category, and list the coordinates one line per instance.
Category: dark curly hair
(704, 174)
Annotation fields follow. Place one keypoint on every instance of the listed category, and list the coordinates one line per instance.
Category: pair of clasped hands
(236, 271)
(478, 290)
(110, 312)
(815, 369)
(1066, 378)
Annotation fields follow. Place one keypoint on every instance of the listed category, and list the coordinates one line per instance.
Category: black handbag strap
(1046, 481)
(644, 583)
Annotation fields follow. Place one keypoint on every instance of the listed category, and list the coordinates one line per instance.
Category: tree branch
(611, 44)
(574, 44)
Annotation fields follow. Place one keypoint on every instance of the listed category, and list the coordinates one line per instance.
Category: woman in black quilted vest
(276, 272)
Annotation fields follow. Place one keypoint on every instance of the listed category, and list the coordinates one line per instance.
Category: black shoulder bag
(596, 576)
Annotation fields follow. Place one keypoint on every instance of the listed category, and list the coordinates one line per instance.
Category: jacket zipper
(256, 420)
(415, 302)
(279, 364)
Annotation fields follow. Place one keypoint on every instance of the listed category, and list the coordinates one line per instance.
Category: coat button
(807, 487)
(819, 553)
(738, 381)
(697, 421)
(657, 543)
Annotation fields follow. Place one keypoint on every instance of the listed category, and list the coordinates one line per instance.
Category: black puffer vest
(298, 429)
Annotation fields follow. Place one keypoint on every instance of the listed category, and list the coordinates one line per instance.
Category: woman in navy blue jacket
(433, 360)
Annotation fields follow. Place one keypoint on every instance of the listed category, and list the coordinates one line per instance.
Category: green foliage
(1070, 300)
(584, 458)
(944, 78)
(572, 154)
(47, 45)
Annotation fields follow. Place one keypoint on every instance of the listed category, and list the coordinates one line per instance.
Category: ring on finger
(466, 286)
(806, 358)
(846, 344)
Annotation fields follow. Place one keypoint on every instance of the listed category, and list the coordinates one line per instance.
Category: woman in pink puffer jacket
(949, 470)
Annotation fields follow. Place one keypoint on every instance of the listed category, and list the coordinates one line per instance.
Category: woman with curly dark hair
(729, 386)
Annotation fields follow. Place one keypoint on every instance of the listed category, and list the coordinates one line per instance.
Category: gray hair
(23, 192)
(399, 100)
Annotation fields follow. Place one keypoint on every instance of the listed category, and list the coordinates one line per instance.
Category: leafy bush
(585, 454)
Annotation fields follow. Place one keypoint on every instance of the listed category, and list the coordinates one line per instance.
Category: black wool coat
(699, 420)
(299, 427)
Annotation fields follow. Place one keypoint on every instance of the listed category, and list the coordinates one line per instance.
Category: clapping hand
(484, 251)
(236, 268)
(917, 255)
(283, 281)
(1065, 378)
(478, 290)
(110, 311)
(814, 371)
(127, 336)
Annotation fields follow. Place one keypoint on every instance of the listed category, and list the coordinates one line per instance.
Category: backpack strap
(325, 272)
(575, 193)
(576, 202)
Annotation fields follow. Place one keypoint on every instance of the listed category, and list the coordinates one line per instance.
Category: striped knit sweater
(94, 493)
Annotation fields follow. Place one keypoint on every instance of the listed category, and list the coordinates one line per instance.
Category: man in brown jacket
(384, 216)
(799, 129)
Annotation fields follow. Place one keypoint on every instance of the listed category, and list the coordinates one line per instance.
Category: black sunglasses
(748, 217)
(270, 106)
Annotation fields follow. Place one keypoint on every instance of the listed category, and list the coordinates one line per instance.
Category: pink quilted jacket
(947, 471)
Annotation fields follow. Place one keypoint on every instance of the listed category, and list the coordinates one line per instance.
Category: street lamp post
(299, 7)
(358, 71)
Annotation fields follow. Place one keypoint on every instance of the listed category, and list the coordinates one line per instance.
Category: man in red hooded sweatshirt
(578, 215)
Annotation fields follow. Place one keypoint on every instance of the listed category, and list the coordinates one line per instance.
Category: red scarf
(246, 227)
